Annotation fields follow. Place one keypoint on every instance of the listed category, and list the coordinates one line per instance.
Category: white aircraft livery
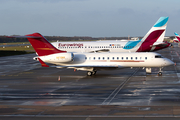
(152, 41)
(92, 62)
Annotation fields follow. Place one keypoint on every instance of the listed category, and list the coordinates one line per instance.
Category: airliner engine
(58, 58)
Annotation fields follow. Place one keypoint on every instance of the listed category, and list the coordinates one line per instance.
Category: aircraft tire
(89, 73)
(160, 74)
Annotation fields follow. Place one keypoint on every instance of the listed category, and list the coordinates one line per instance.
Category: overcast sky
(95, 18)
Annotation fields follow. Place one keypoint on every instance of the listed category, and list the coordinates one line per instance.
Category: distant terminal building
(134, 38)
(166, 37)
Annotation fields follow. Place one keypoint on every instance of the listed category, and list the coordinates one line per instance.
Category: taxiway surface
(30, 91)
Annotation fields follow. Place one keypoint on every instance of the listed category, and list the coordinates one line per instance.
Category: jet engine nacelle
(63, 57)
(58, 58)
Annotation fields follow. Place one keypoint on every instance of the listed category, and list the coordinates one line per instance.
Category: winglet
(42, 63)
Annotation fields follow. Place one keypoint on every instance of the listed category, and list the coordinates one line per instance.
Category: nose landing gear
(90, 73)
(160, 72)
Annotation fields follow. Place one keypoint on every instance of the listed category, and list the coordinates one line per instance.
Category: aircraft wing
(89, 66)
(80, 66)
(100, 50)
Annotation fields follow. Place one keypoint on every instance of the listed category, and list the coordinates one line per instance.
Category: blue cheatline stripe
(131, 44)
(176, 34)
(161, 22)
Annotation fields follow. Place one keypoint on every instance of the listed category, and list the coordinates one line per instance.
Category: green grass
(18, 48)
(14, 43)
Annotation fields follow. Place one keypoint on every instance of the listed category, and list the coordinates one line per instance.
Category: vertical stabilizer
(41, 45)
(177, 36)
(155, 34)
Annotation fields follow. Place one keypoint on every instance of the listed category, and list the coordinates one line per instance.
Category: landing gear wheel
(160, 74)
(89, 73)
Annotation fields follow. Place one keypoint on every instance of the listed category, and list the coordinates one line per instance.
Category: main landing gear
(148, 71)
(90, 73)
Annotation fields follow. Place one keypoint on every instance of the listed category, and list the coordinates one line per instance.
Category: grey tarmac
(29, 91)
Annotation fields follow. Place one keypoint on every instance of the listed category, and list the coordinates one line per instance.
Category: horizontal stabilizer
(161, 44)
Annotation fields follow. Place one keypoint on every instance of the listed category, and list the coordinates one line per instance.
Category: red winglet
(42, 63)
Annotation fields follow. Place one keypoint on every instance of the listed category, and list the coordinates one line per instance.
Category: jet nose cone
(169, 62)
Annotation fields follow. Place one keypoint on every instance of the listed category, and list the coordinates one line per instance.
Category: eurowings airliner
(93, 62)
(152, 41)
(177, 40)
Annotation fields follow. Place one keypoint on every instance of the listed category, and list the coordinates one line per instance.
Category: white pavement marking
(116, 91)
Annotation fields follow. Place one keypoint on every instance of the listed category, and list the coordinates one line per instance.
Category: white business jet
(92, 62)
(152, 41)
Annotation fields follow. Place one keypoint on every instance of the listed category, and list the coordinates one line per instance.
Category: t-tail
(41, 45)
(177, 36)
(155, 35)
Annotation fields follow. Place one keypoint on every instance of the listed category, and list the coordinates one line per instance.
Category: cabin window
(103, 58)
(99, 58)
(117, 58)
(108, 58)
(85, 58)
(146, 58)
(131, 58)
(126, 58)
(122, 58)
(113, 58)
(89, 58)
(136, 58)
(94, 58)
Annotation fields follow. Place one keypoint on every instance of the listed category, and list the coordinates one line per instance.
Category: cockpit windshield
(158, 56)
